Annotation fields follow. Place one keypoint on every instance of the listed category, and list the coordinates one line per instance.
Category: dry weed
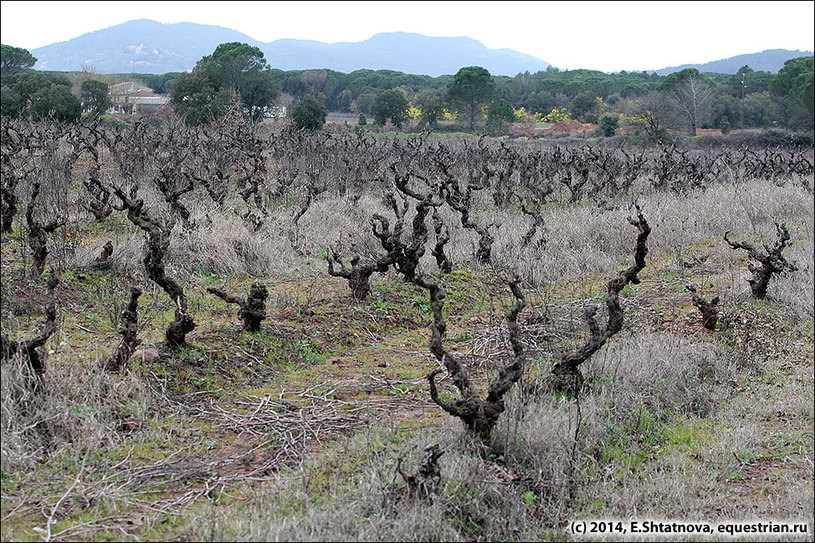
(77, 411)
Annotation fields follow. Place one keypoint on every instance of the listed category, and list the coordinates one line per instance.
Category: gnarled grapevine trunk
(566, 371)
(129, 329)
(771, 261)
(252, 310)
(478, 415)
(158, 241)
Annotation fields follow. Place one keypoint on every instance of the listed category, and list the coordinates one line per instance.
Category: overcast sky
(607, 36)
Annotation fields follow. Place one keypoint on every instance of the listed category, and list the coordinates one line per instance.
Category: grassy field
(303, 430)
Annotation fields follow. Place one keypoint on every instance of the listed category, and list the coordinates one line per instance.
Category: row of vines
(156, 176)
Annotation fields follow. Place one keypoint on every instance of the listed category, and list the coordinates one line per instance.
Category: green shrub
(803, 139)
(609, 124)
(310, 113)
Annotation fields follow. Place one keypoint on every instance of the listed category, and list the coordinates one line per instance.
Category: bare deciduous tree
(689, 93)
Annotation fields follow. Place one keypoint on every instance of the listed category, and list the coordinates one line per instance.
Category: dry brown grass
(77, 411)
(588, 240)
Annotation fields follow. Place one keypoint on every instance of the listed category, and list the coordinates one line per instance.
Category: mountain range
(770, 60)
(145, 46)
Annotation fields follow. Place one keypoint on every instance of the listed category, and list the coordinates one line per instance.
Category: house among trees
(276, 112)
(134, 98)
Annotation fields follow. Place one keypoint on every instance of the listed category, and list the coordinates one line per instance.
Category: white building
(134, 98)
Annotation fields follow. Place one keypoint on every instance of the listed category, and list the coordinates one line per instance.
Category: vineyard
(249, 332)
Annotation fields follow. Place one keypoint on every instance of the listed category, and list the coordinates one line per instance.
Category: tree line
(685, 100)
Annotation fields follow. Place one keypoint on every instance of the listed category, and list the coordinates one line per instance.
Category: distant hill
(139, 46)
(770, 60)
(145, 46)
(401, 51)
